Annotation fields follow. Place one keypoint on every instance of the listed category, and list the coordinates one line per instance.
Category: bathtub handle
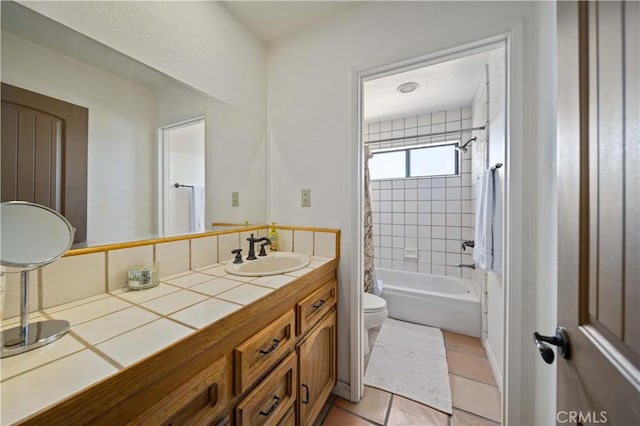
(318, 304)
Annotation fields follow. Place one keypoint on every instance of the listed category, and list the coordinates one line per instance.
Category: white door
(183, 177)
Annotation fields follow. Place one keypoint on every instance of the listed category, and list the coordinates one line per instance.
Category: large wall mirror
(146, 132)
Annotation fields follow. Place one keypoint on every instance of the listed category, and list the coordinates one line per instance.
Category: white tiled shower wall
(427, 216)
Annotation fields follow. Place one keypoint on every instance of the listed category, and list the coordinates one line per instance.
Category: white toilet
(375, 312)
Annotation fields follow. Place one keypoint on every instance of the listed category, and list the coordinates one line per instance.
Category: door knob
(561, 340)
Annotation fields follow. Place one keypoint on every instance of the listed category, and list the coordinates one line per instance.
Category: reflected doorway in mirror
(183, 177)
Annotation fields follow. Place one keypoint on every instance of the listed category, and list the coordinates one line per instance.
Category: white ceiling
(273, 20)
(445, 85)
(442, 86)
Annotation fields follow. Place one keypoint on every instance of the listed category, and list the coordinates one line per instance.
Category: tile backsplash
(76, 277)
(420, 222)
(72, 278)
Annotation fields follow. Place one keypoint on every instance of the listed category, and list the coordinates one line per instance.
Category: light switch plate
(306, 198)
(235, 199)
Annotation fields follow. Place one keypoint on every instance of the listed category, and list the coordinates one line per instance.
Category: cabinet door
(317, 368)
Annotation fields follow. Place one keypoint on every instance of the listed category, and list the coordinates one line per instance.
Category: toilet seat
(374, 310)
(373, 303)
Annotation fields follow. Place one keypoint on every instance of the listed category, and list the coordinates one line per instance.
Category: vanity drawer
(315, 306)
(289, 419)
(263, 350)
(269, 403)
(199, 400)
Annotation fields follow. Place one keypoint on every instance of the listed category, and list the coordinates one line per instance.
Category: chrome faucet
(252, 250)
(463, 265)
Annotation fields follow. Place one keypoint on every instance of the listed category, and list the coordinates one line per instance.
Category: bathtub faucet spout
(466, 244)
(462, 265)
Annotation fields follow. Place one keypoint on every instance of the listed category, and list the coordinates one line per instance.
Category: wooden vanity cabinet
(273, 362)
(316, 368)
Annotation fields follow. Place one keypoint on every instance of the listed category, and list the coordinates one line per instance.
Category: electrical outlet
(235, 199)
(306, 198)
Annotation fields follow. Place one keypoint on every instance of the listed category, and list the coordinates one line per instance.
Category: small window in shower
(388, 165)
(438, 160)
(414, 161)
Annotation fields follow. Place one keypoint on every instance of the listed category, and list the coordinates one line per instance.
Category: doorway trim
(510, 34)
(163, 161)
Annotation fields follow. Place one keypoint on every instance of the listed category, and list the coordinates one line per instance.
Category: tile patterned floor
(475, 396)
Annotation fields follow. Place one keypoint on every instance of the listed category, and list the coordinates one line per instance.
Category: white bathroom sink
(273, 264)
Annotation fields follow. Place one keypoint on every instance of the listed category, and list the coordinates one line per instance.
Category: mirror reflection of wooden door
(599, 212)
(44, 154)
(31, 148)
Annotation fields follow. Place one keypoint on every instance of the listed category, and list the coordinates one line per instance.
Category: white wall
(235, 157)
(197, 42)
(121, 153)
(310, 129)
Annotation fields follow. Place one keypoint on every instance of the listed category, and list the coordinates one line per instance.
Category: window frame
(407, 159)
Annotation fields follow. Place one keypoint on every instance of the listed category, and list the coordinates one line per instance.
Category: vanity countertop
(115, 330)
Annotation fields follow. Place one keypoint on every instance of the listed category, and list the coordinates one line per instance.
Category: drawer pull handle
(273, 406)
(318, 304)
(273, 347)
(306, 400)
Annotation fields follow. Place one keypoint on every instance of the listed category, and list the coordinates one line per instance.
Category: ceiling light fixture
(408, 87)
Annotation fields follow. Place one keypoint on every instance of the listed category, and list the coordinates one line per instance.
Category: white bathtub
(438, 301)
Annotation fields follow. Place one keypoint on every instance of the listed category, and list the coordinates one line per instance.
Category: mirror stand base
(22, 339)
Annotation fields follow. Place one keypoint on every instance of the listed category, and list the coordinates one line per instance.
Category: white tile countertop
(112, 331)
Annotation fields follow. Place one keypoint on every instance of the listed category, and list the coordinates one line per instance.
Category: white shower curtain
(369, 272)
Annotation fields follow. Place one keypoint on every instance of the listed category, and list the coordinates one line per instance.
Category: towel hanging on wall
(488, 238)
(197, 209)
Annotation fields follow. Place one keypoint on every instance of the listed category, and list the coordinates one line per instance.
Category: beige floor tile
(475, 397)
(462, 343)
(373, 405)
(462, 418)
(470, 366)
(406, 412)
(339, 417)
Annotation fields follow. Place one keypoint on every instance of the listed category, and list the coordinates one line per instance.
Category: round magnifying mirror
(32, 236)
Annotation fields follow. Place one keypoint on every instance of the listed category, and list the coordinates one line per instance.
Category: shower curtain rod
(399, 138)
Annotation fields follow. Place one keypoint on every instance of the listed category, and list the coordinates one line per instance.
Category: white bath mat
(410, 360)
